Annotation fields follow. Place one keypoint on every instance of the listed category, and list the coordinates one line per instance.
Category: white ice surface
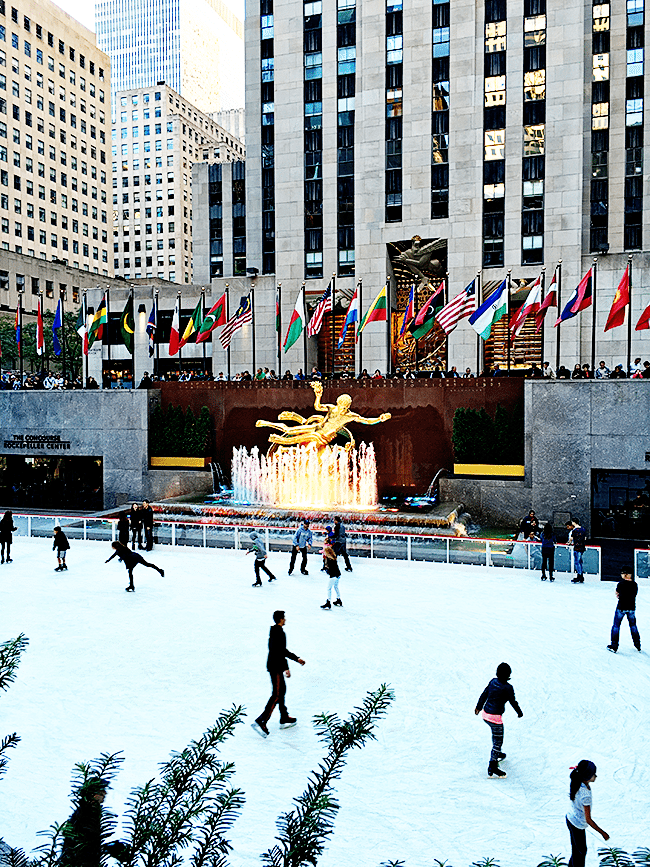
(147, 672)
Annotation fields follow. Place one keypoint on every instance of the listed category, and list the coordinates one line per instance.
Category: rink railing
(367, 544)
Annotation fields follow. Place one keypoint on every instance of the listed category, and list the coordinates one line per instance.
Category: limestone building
(196, 46)
(55, 113)
(508, 136)
(157, 137)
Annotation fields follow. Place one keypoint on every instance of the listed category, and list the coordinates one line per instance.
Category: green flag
(127, 324)
(423, 323)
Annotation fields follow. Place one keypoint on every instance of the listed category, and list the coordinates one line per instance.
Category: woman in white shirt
(579, 814)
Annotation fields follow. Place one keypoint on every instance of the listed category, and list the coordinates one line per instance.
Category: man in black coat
(146, 516)
(277, 666)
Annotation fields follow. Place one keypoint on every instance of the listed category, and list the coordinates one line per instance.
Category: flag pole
(133, 344)
(333, 324)
(508, 290)
(543, 295)
(63, 340)
(558, 289)
(108, 331)
(389, 353)
(156, 337)
(228, 320)
(478, 336)
(180, 348)
(278, 328)
(445, 297)
(202, 318)
(304, 329)
(357, 323)
(415, 313)
(593, 316)
(20, 331)
(84, 355)
(252, 293)
(629, 314)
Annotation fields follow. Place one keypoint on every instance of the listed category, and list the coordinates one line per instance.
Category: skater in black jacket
(135, 518)
(341, 543)
(277, 667)
(146, 516)
(6, 530)
(123, 528)
(61, 545)
(492, 702)
(332, 569)
(131, 560)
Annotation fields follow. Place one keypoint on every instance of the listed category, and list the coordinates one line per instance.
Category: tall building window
(494, 133)
(440, 111)
(599, 193)
(215, 216)
(346, 81)
(634, 136)
(313, 138)
(239, 218)
(267, 74)
(394, 105)
(534, 133)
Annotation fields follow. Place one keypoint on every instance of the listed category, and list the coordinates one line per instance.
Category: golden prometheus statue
(320, 430)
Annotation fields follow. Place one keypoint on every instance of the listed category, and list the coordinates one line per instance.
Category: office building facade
(195, 46)
(55, 171)
(157, 137)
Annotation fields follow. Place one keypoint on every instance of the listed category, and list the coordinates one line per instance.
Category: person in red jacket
(277, 666)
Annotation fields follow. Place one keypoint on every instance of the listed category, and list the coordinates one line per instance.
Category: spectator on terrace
(577, 372)
(547, 371)
(618, 372)
(602, 371)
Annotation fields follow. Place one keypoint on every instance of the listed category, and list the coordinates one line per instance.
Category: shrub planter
(511, 471)
(181, 463)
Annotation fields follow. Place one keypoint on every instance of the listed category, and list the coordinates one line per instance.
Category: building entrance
(620, 504)
(51, 482)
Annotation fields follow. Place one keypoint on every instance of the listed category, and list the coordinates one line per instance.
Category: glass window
(534, 140)
(495, 141)
(495, 90)
(495, 36)
(601, 67)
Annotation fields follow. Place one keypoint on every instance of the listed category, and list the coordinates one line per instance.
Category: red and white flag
(40, 338)
(461, 305)
(174, 335)
(324, 306)
(243, 315)
(530, 305)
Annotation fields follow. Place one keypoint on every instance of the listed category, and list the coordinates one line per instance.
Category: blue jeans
(616, 627)
(577, 561)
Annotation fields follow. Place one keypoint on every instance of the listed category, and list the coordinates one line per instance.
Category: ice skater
(626, 591)
(123, 528)
(548, 551)
(135, 518)
(131, 560)
(577, 538)
(302, 539)
(492, 702)
(6, 530)
(579, 814)
(260, 559)
(61, 546)
(340, 542)
(277, 667)
(332, 568)
(146, 517)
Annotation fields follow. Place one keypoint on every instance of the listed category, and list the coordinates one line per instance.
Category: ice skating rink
(146, 672)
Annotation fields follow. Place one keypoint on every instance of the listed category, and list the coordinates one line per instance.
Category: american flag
(152, 325)
(460, 305)
(324, 306)
(243, 314)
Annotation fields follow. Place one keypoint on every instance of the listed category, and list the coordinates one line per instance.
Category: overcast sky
(82, 10)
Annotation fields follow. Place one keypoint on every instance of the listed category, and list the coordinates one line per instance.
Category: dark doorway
(620, 504)
(51, 482)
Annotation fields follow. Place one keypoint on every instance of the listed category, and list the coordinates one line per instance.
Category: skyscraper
(194, 46)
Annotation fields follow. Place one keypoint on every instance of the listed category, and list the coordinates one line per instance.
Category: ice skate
(348, 568)
(260, 727)
(257, 584)
(304, 572)
(272, 579)
(612, 648)
(64, 568)
(338, 602)
(59, 569)
(9, 560)
(495, 771)
(327, 605)
(543, 578)
(288, 723)
(130, 589)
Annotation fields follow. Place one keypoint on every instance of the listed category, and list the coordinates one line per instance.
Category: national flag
(40, 337)
(277, 309)
(351, 317)
(530, 305)
(458, 308)
(426, 318)
(491, 310)
(409, 313)
(377, 312)
(580, 299)
(174, 335)
(644, 321)
(323, 306)
(127, 324)
(621, 300)
(96, 328)
(549, 301)
(56, 324)
(17, 329)
(243, 314)
(215, 317)
(82, 328)
(152, 325)
(297, 322)
(193, 324)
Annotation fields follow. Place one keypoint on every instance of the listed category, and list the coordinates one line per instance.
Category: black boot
(327, 605)
(338, 602)
(495, 771)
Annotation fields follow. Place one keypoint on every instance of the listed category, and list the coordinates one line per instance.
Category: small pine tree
(157, 431)
(460, 436)
(10, 653)
(486, 862)
(612, 856)
(189, 435)
(642, 856)
(553, 861)
(502, 436)
(174, 430)
(204, 431)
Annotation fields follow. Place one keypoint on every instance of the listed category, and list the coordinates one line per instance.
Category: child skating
(492, 702)
(131, 560)
(332, 569)
(260, 559)
(61, 546)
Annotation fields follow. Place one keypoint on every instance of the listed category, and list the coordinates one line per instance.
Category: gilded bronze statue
(320, 430)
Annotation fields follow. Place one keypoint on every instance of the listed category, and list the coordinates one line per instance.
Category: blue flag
(58, 323)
